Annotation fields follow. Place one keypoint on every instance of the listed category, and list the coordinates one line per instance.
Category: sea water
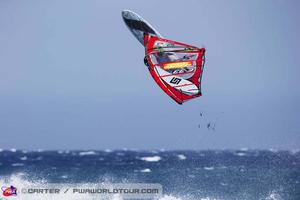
(206, 175)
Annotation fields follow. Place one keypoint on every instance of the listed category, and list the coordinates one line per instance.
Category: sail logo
(176, 65)
(9, 191)
(175, 80)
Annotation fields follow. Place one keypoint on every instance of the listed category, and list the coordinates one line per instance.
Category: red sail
(176, 67)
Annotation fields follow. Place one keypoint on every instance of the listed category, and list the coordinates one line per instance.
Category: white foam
(19, 181)
(64, 176)
(151, 158)
(39, 158)
(240, 154)
(224, 184)
(273, 196)
(147, 170)
(208, 168)
(17, 164)
(108, 150)
(181, 157)
(170, 197)
(87, 153)
(21, 174)
(1, 150)
(13, 150)
(273, 150)
(23, 158)
(116, 197)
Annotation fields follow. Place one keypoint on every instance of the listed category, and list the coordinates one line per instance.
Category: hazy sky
(72, 75)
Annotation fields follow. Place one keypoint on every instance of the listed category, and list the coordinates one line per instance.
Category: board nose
(125, 13)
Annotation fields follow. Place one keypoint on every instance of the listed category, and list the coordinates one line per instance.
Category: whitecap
(64, 176)
(169, 197)
(1, 150)
(17, 164)
(24, 151)
(13, 150)
(273, 196)
(147, 170)
(208, 168)
(23, 158)
(87, 153)
(240, 154)
(116, 197)
(60, 152)
(244, 149)
(20, 174)
(151, 158)
(39, 158)
(108, 150)
(181, 157)
(273, 150)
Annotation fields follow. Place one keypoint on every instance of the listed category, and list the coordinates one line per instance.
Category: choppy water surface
(241, 174)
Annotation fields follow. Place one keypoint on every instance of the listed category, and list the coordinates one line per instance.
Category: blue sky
(72, 76)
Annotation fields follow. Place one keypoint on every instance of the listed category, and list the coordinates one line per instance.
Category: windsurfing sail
(176, 67)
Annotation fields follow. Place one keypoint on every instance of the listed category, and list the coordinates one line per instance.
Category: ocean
(184, 175)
